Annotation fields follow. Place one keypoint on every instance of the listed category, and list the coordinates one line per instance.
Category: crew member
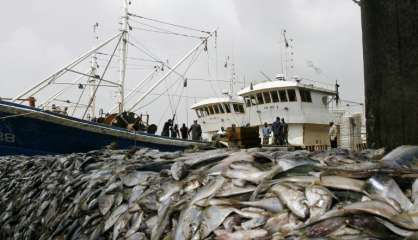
(266, 131)
(166, 129)
(174, 131)
(285, 132)
(277, 131)
(196, 130)
(184, 132)
(222, 132)
(333, 135)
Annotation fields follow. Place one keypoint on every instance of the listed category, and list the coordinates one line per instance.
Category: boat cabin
(305, 107)
(215, 113)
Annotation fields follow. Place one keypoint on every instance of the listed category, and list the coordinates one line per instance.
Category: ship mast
(92, 80)
(123, 55)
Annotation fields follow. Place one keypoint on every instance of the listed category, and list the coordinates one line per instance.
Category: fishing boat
(46, 128)
(307, 107)
(217, 113)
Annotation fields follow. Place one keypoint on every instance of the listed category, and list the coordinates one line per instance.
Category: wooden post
(390, 46)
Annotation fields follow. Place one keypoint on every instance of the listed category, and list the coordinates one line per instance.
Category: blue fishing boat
(48, 128)
(31, 131)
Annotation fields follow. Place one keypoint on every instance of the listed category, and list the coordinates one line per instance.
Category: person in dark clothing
(285, 132)
(166, 128)
(174, 130)
(277, 129)
(184, 132)
(196, 130)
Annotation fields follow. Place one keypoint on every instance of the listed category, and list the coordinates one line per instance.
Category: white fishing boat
(217, 113)
(306, 106)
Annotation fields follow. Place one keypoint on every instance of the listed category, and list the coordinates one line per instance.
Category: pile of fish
(260, 193)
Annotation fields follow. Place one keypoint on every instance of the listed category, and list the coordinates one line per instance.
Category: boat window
(292, 95)
(227, 108)
(283, 96)
(260, 98)
(211, 112)
(215, 107)
(274, 96)
(198, 113)
(253, 100)
(305, 95)
(267, 98)
(247, 101)
(206, 111)
(236, 108)
(241, 108)
(221, 108)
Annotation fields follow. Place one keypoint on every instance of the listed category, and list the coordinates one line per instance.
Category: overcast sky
(40, 36)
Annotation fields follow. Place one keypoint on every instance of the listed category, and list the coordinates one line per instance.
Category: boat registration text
(7, 137)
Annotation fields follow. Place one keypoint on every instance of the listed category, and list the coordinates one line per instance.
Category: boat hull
(30, 131)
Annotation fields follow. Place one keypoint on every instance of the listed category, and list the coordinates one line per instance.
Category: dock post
(390, 47)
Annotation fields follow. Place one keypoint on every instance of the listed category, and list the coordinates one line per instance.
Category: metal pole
(79, 59)
(166, 75)
(60, 92)
(123, 55)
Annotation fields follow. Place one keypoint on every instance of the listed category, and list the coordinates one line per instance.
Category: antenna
(94, 66)
(286, 47)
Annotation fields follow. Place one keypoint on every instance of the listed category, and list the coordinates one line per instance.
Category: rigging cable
(144, 50)
(164, 31)
(170, 24)
(101, 78)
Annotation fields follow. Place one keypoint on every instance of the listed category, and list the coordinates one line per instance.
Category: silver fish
(188, 224)
(105, 203)
(115, 216)
(402, 157)
(136, 194)
(318, 199)
(376, 208)
(212, 218)
(241, 235)
(250, 174)
(121, 224)
(385, 187)
(284, 222)
(136, 178)
(135, 224)
(293, 198)
(163, 219)
(137, 236)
